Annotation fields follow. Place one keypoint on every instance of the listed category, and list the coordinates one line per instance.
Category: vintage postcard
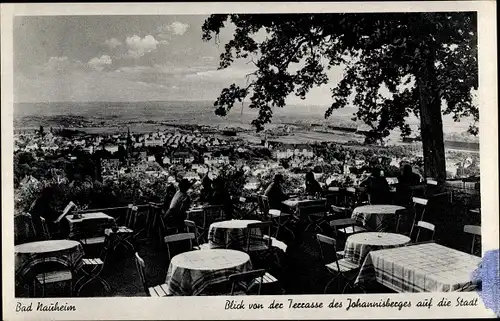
(250, 160)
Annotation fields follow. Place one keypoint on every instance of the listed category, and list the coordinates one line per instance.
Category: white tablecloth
(375, 217)
(191, 272)
(428, 267)
(358, 246)
(230, 234)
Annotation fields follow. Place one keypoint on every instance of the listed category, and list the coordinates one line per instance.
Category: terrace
(299, 269)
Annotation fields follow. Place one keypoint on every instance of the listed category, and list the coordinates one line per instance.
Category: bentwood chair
(155, 291)
(342, 269)
(475, 230)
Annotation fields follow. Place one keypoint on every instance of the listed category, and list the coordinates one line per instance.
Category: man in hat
(275, 192)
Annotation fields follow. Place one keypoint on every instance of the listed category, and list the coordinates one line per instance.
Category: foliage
(395, 64)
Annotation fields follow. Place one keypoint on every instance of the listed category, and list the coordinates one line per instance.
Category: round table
(191, 272)
(27, 255)
(230, 234)
(358, 246)
(375, 217)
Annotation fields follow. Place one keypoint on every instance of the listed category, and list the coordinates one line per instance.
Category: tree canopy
(426, 63)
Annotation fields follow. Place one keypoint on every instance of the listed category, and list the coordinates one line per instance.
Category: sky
(126, 58)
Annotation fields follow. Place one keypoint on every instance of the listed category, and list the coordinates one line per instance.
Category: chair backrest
(325, 242)
(141, 269)
(24, 229)
(244, 279)
(427, 226)
(169, 239)
(131, 216)
(256, 232)
(475, 230)
(472, 229)
(263, 202)
(45, 229)
(213, 213)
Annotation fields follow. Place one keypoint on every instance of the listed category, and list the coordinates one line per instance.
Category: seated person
(377, 188)
(206, 189)
(407, 179)
(312, 185)
(176, 214)
(221, 196)
(169, 195)
(275, 192)
(41, 208)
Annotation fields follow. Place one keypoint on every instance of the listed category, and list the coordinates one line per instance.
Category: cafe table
(191, 272)
(427, 267)
(230, 234)
(375, 217)
(90, 224)
(357, 246)
(27, 255)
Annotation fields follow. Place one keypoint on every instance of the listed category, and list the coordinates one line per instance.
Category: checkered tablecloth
(90, 224)
(375, 217)
(428, 267)
(191, 272)
(293, 203)
(358, 246)
(27, 255)
(230, 234)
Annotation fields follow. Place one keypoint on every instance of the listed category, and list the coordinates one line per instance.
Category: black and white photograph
(246, 154)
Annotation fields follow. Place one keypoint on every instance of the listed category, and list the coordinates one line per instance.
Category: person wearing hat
(176, 214)
(275, 192)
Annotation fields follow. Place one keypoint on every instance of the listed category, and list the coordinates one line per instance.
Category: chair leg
(330, 282)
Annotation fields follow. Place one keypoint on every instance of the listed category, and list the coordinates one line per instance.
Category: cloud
(176, 28)
(138, 46)
(62, 65)
(98, 63)
(113, 43)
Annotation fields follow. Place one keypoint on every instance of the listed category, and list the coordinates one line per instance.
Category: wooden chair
(316, 213)
(125, 235)
(279, 219)
(24, 229)
(155, 221)
(257, 242)
(340, 268)
(427, 226)
(246, 280)
(192, 228)
(155, 291)
(169, 239)
(419, 208)
(92, 268)
(475, 230)
(49, 272)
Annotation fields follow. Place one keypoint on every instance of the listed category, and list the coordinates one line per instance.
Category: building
(182, 158)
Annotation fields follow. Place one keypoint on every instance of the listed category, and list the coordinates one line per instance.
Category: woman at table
(312, 185)
(275, 192)
(176, 214)
(377, 187)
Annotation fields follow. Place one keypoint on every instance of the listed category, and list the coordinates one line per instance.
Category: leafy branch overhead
(379, 52)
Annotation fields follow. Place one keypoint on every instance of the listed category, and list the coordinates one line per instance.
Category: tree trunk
(431, 123)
